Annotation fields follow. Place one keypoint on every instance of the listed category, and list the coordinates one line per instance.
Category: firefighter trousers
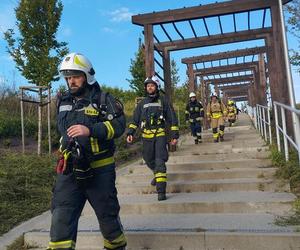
(196, 129)
(67, 204)
(155, 154)
(215, 124)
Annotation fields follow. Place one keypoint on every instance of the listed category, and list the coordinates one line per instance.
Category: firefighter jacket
(101, 113)
(232, 111)
(153, 115)
(216, 110)
(194, 111)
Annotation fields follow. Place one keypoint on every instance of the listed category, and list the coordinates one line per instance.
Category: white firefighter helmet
(75, 63)
(152, 79)
(192, 94)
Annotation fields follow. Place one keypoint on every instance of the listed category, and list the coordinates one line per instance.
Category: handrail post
(276, 126)
(286, 150)
(270, 130)
(265, 124)
(261, 123)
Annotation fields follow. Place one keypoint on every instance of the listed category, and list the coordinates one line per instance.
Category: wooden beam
(233, 79)
(214, 39)
(167, 75)
(149, 50)
(229, 68)
(209, 10)
(234, 87)
(224, 55)
(192, 85)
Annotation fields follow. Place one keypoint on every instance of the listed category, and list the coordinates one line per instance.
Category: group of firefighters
(88, 120)
(216, 113)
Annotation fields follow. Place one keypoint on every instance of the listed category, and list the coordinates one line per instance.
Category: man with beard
(88, 120)
(152, 115)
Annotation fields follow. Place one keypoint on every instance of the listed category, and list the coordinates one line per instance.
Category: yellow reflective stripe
(132, 126)
(94, 145)
(187, 112)
(221, 132)
(118, 242)
(153, 131)
(62, 244)
(215, 135)
(102, 162)
(160, 175)
(191, 120)
(149, 136)
(80, 63)
(216, 115)
(66, 154)
(110, 130)
(173, 128)
(198, 118)
(161, 179)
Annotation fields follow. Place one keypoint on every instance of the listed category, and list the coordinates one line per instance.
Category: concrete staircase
(220, 196)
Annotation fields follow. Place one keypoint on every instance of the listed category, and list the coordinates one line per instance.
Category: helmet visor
(68, 73)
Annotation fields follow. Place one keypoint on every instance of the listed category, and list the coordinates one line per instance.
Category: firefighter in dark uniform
(88, 121)
(152, 115)
(194, 114)
(216, 113)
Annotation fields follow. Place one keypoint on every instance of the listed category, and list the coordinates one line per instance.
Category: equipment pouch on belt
(74, 159)
(81, 165)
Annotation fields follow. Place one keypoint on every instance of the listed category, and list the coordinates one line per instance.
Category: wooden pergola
(257, 68)
(272, 37)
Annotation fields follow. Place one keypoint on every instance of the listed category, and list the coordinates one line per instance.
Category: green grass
(289, 171)
(25, 183)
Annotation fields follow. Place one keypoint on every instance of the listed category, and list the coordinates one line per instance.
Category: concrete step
(204, 202)
(194, 232)
(189, 165)
(238, 184)
(192, 175)
(204, 149)
(213, 156)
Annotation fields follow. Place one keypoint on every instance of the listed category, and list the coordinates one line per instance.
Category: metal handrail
(283, 130)
(263, 123)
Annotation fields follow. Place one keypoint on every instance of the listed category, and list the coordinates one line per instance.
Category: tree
(175, 78)
(294, 28)
(36, 52)
(138, 72)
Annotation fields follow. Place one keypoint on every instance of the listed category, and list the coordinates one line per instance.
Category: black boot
(199, 139)
(161, 196)
(196, 141)
(221, 138)
(153, 182)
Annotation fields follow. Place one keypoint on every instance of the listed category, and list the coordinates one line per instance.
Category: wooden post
(280, 87)
(257, 89)
(263, 79)
(167, 75)
(49, 119)
(40, 122)
(149, 50)
(22, 121)
(191, 76)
